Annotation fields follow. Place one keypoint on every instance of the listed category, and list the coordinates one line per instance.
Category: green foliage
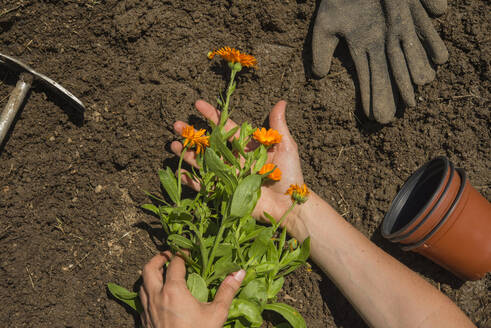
(216, 229)
(124, 295)
(289, 313)
(197, 286)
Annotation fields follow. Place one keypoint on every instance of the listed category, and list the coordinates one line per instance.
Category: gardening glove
(170, 304)
(435, 7)
(368, 32)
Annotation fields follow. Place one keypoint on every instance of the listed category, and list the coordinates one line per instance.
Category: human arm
(170, 304)
(382, 290)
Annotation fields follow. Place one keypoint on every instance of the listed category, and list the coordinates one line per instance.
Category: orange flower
(195, 138)
(275, 175)
(267, 137)
(298, 193)
(234, 56)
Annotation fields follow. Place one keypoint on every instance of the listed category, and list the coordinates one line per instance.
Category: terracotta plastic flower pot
(456, 230)
(422, 202)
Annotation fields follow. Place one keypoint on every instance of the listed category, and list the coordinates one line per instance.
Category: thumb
(277, 119)
(226, 292)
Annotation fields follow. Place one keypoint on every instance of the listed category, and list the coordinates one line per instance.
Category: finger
(176, 271)
(383, 106)
(421, 71)
(400, 72)
(213, 114)
(426, 30)
(363, 74)
(435, 7)
(144, 316)
(226, 292)
(153, 280)
(277, 119)
(323, 46)
(189, 156)
(188, 181)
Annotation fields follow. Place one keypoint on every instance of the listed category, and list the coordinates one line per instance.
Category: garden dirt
(71, 186)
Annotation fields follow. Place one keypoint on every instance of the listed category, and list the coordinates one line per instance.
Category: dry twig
(6, 11)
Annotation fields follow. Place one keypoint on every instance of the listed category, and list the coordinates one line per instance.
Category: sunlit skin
(284, 155)
(382, 290)
(169, 303)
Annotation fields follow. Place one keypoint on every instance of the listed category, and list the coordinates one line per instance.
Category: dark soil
(71, 187)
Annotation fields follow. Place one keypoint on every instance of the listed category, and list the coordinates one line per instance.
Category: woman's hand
(170, 303)
(284, 155)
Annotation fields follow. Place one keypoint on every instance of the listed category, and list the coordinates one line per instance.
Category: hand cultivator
(26, 78)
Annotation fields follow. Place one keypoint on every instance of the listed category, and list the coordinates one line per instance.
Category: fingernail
(239, 275)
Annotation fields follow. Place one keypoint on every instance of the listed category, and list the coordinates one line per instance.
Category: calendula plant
(214, 231)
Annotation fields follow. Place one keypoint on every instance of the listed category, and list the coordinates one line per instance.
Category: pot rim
(403, 195)
(463, 177)
(430, 213)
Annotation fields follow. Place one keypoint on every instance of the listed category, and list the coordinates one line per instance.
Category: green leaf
(260, 245)
(197, 286)
(180, 241)
(225, 266)
(304, 250)
(282, 240)
(256, 291)
(272, 254)
(220, 145)
(230, 133)
(262, 156)
(222, 267)
(245, 196)
(169, 182)
(124, 295)
(238, 147)
(250, 275)
(275, 287)
(248, 224)
(251, 235)
(216, 165)
(290, 257)
(219, 102)
(152, 208)
(270, 218)
(265, 267)
(224, 249)
(155, 197)
(247, 309)
(296, 258)
(245, 131)
(289, 313)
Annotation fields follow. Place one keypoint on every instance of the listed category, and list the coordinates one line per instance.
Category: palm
(285, 155)
(273, 198)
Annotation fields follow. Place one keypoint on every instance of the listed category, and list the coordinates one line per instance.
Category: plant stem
(230, 90)
(179, 175)
(202, 248)
(186, 258)
(292, 206)
(215, 245)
